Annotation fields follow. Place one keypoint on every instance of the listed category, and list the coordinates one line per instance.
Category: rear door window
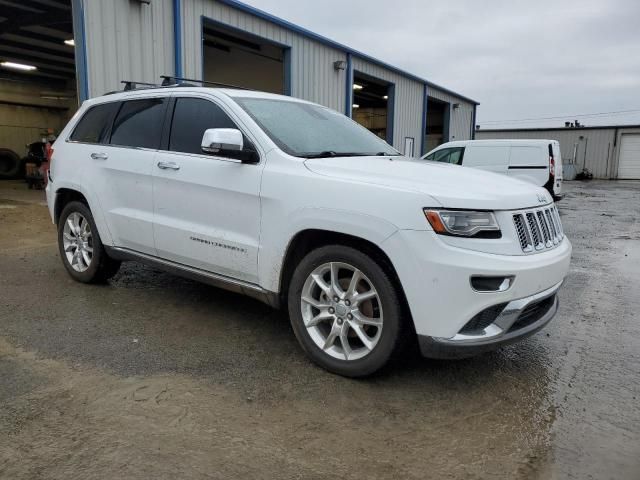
(191, 117)
(94, 126)
(139, 123)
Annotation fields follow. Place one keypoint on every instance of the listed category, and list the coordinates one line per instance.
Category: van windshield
(311, 131)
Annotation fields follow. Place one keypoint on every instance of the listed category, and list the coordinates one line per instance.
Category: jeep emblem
(542, 198)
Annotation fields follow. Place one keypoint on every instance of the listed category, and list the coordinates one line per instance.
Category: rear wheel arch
(64, 196)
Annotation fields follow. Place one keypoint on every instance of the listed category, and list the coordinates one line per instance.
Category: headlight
(463, 223)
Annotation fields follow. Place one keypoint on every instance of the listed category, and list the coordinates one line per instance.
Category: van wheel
(81, 250)
(345, 311)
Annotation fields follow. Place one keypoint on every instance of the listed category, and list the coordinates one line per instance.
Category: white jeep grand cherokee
(295, 204)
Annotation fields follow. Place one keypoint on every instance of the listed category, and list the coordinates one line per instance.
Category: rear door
(207, 208)
(530, 163)
(556, 156)
(120, 158)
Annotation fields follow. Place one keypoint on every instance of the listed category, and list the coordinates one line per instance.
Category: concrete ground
(153, 376)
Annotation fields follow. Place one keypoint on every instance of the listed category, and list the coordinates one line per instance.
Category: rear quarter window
(95, 124)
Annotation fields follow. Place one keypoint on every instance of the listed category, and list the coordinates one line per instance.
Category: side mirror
(220, 141)
(228, 142)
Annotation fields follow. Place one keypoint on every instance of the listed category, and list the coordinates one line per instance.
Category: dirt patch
(152, 376)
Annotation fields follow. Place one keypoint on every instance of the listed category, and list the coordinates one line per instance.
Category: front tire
(345, 311)
(81, 249)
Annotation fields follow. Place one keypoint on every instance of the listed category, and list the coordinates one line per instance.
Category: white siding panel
(127, 41)
(408, 104)
(461, 118)
(313, 77)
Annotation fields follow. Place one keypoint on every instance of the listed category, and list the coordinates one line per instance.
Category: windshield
(307, 130)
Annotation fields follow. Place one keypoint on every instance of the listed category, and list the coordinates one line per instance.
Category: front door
(206, 208)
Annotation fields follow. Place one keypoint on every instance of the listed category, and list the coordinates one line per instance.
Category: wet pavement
(153, 376)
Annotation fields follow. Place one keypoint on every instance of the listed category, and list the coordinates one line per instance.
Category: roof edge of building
(548, 129)
(338, 46)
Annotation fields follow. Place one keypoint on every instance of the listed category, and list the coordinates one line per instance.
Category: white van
(535, 161)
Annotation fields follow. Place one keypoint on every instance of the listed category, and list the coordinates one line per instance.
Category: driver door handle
(168, 166)
(99, 156)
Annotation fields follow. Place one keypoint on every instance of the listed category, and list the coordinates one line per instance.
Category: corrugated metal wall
(592, 148)
(408, 102)
(127, 40)
(130, 40)
(313, 76)
(461, 119)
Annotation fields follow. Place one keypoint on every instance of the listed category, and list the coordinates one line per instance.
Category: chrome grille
(544, 228)
(538, 229)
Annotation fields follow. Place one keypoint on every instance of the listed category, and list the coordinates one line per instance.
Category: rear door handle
(99, 156)
(168, 166)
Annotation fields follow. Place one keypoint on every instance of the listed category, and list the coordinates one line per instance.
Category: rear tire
(339, 296)
(81, 249)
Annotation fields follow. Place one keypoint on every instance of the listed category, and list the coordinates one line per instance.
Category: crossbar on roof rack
(132, 85)
(168, 80)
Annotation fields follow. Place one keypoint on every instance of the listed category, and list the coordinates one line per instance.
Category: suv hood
(452, 186)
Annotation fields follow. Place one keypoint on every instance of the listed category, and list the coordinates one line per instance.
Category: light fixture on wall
(386, 97)
(456, 106)
(357, 87)
(355, 105)
(18, 66)
(70, 42)
(339, 65)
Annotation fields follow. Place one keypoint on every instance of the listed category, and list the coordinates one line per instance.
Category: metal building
(607, 152)
(221, 41)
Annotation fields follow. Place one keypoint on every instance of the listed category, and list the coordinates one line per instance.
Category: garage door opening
(38, 92)
(243, 60)
(373, 105)
(437, 123)
(629, 163)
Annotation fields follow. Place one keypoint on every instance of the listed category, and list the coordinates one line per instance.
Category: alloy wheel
(77, 241)
(342, 311)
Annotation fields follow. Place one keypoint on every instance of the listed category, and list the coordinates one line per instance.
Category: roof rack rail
(168, 80)
(133, 85)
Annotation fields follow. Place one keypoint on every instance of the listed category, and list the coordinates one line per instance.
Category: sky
(520, 59)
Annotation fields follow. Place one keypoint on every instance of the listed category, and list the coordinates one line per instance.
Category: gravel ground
(153, 376)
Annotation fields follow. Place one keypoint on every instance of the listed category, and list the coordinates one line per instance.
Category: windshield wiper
(331, 153)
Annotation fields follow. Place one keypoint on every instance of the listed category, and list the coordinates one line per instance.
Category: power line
(560, 117)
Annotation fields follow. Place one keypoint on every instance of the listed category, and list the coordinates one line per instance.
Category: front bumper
(435, 278)
(502, 331)
(50, 194)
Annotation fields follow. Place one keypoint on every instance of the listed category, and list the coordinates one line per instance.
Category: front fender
(275, 242)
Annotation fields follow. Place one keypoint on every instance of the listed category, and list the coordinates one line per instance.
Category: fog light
(488, 284)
